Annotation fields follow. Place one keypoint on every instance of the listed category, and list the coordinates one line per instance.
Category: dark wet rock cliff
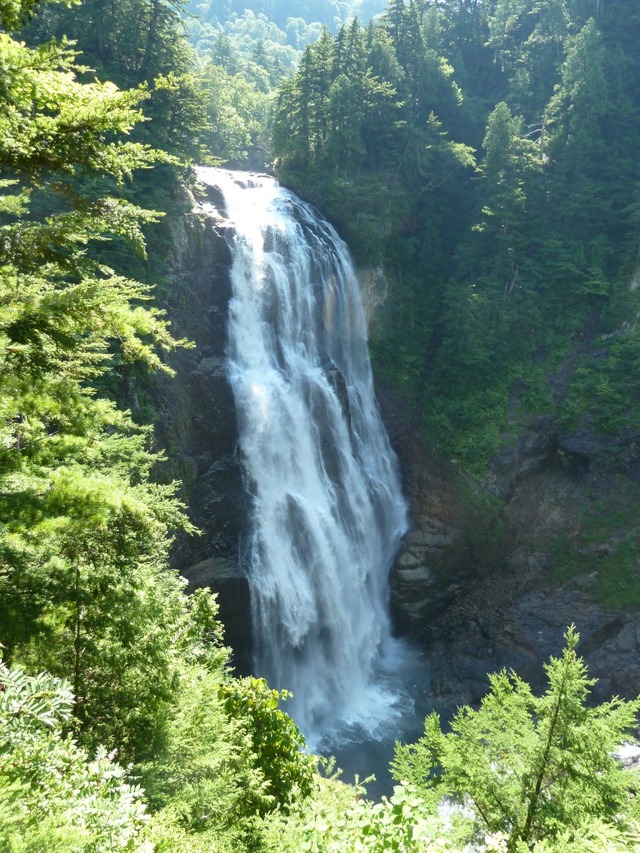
(491, 575)
(197, 423)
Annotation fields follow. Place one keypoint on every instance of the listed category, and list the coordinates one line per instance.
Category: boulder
(231, 586)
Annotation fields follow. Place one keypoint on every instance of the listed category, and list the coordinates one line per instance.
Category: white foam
(328, 512)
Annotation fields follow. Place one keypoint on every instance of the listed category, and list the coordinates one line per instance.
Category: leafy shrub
(53, 796)
(276, 741)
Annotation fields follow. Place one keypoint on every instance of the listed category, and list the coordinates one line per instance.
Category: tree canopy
(533, 768)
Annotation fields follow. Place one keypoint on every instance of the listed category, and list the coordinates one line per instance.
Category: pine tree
(530, 767)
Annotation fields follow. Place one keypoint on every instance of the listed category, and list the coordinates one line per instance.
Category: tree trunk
(151, 40)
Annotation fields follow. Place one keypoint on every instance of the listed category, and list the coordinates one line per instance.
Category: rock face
(197, 424)
(225, 577)
(434, 563)
(477, 580)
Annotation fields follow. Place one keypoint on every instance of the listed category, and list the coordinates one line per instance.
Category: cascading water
(328, 512)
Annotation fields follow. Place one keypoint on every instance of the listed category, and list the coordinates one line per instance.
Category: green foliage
(276, 741)
(53, 122)
(601, 384)
(488, 267)
(203, 786)
(193, 107)
(536, 769)
(230, 755)
(84, 590)
(53, 797)
(604, 545)
(251, 44)
(338, 818)
(280, 14)
(490, 270)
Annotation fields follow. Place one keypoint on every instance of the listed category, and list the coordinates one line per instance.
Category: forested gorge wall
(490, 575)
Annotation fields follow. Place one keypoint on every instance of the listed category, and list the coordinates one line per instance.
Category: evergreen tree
(395, 22)
(85, 533)
(508, 167)
(533, 768)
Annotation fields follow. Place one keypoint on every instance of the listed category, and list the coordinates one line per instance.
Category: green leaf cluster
(53, 795)
(338, 818)
(276, 741)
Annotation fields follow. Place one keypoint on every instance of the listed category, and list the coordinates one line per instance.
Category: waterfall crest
(327, 509)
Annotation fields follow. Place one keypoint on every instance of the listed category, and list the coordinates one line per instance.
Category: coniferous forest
(480, 157)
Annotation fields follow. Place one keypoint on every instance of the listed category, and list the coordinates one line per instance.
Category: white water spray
(327, 512)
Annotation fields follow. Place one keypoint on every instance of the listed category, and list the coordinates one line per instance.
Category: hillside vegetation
(483, 155)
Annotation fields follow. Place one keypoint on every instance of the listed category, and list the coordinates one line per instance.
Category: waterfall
(327, 509)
